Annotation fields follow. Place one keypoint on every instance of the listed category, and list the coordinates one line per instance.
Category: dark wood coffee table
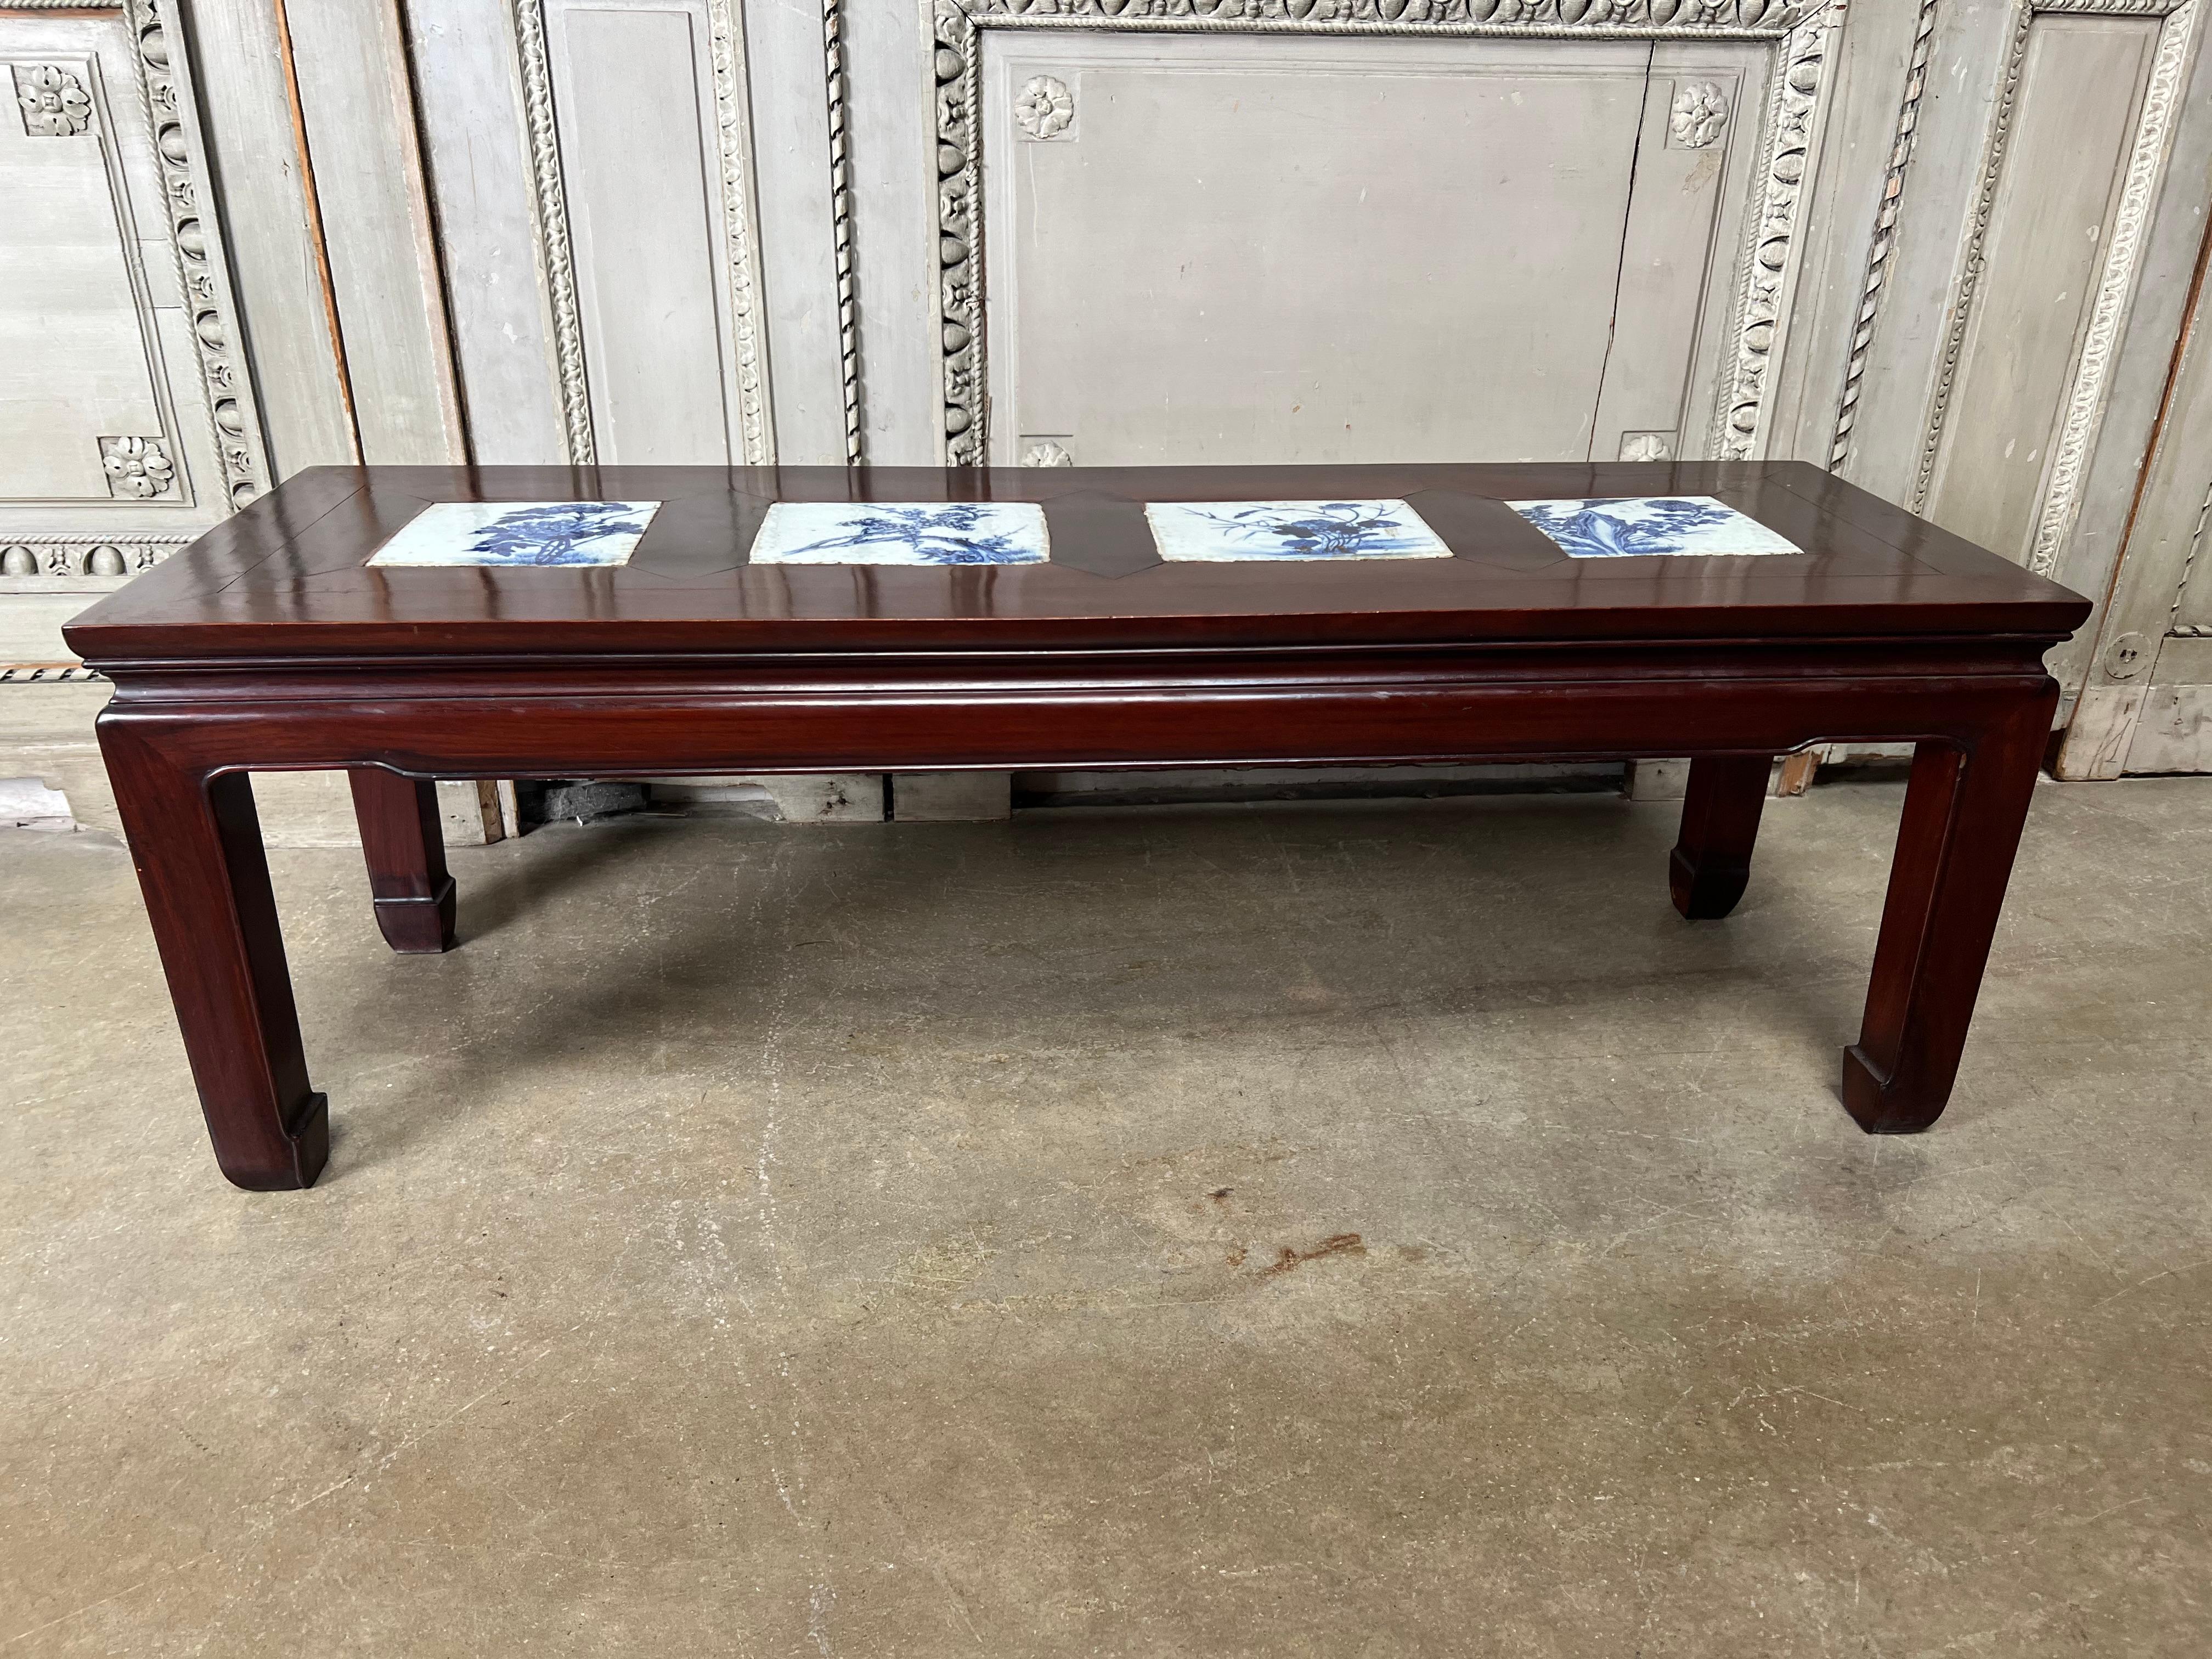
(270, 645)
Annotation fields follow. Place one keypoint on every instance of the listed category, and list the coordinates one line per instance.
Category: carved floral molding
(1045, 109)
(138, 469)
(1766, 273)
(54, 102)
(1699, 114)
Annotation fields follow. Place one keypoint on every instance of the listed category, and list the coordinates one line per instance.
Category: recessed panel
(638, 165)
(2072, 128)
(79, 415)
(1207, 249)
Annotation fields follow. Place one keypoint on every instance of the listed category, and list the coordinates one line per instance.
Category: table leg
(196, 845)
(1963, 811)
(405, 843)
(1711, 861)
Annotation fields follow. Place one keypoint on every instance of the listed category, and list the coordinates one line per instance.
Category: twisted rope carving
(840, 213)
(552, 203)
(1881, 251)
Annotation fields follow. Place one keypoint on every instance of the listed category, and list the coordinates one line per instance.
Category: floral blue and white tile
(901, 532)
(1212, 531)
(519, 533)
(1631, 525)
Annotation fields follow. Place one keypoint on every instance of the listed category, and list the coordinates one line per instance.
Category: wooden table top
(288, 577)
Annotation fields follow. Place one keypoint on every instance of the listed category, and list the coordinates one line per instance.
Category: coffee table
(270, 644)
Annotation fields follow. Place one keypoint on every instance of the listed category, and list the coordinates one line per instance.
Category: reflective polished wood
(270, 644)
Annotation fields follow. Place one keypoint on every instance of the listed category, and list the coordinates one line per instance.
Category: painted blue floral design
(1636, 526)
(519, 533)
(901, 532)
(1224, 531)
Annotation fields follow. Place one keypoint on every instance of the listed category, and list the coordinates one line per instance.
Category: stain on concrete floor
(1364, 1229)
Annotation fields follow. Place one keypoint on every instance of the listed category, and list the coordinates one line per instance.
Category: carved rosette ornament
(1798, 31)
(1043, 452)
(54, 102)
(138, 469)
(1045, 109)
(1700, 112)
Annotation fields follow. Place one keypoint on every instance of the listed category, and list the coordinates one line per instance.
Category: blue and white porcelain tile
(1630, 525)
(901, 532)
(1224, 530)
(509, 533)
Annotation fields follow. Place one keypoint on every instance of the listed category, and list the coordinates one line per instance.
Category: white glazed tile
(1631, 526)
(1217, 532)
(516, 533)
(901, 532)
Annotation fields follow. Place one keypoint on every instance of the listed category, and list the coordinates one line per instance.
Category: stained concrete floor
(1332, 1229)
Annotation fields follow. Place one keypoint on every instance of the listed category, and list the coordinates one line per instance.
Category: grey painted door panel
(1683, 228)
(78, 354)
(2079, 89)
(636, 102)
(468, 91)
(1320, 250)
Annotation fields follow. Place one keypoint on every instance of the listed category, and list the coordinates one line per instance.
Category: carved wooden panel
(1255, 248)
(1408, 171)
(2054, 209)
(640, 146)
(83, 408)
(127, 417)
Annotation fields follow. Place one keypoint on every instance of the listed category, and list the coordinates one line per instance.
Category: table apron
(658, 731)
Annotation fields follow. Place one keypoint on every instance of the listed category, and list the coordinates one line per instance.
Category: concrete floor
(1335, 1230)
